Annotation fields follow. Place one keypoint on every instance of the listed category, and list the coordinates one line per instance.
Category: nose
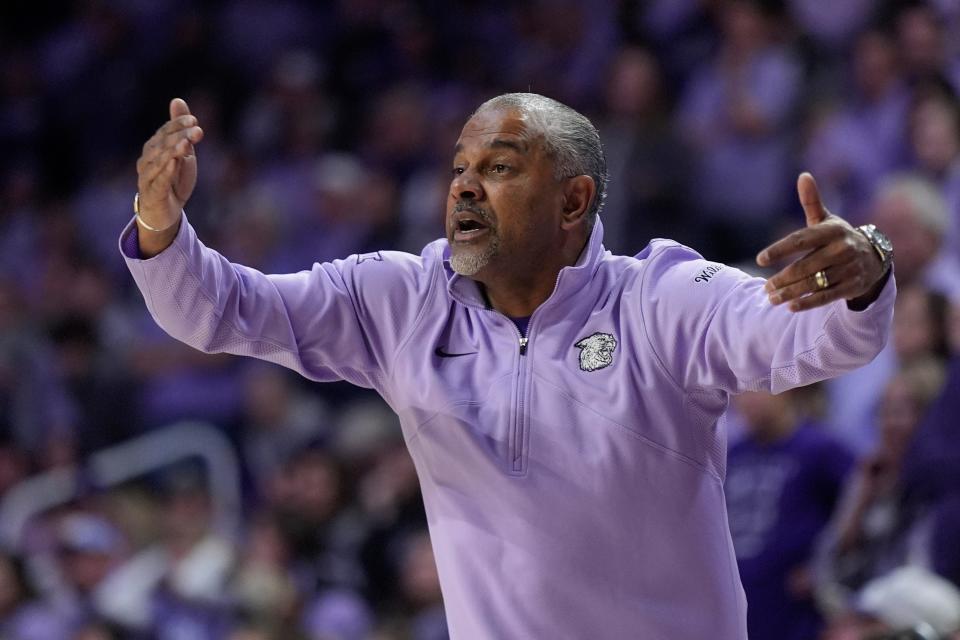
(465, 186)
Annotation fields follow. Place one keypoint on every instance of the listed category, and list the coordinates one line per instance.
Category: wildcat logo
(596, 351)
(709, 272)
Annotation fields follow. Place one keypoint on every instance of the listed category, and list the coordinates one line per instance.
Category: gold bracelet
(140, 221)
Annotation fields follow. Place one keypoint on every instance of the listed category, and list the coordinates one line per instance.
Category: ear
(578, 195)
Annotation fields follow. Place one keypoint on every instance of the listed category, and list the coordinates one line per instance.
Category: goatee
(467, 261)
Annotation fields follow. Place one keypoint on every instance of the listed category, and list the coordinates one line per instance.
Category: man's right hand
(166, 176)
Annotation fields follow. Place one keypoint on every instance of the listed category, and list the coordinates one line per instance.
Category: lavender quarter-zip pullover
(572, 477)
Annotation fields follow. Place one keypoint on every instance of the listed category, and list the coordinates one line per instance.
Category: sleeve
(341, 320)
(712, 327)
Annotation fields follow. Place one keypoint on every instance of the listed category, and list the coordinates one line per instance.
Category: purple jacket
(573, 478)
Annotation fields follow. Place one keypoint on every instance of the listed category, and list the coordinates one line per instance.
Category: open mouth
(467, 227)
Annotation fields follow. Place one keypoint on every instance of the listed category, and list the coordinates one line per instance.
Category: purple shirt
(574, 488)
(780, 495)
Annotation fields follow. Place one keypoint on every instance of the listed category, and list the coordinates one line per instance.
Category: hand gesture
(837, 260)
(167, 169)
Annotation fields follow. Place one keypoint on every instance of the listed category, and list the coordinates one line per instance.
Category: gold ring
(820, 278)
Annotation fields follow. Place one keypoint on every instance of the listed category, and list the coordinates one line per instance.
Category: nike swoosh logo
(440, 353)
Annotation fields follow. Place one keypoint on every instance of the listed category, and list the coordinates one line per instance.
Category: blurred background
(148, 491)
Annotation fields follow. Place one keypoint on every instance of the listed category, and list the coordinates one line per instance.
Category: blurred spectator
(736, 112)
(912, 211)
(859, 140)
(87, 550)
(646, 160)
(181, 383)
(782, 483)
(262, 586)
(923, 39)
(872, 531)
(33, 403)
(97, 385)
(192, 597)
(307, 496)
(562, 34)
(278, 420)
(419, 613)
(932, 465)
(935, 143)
(680, 31)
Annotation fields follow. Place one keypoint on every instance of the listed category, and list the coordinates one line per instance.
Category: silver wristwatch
(880, 243)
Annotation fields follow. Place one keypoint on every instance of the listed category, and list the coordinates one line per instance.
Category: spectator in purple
(935, 147)
(736, 112)
(924, 39)
(932, 464)
(783, 481)
(912, 208)
(863, 137)
(872, 531)
(646, 158)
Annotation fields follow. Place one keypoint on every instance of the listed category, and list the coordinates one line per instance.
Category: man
(560, 403)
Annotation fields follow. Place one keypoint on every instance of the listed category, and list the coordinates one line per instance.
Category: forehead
(491, 127)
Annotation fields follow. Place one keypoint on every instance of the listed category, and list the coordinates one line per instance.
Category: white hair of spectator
(568, 137)
(926, 201)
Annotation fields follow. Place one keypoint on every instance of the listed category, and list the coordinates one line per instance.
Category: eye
(457, 171)
(499, 168)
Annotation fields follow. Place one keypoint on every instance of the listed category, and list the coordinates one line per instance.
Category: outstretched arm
(339, 320)
(717, 328)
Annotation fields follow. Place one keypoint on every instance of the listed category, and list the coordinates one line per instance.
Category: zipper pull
(523, 345)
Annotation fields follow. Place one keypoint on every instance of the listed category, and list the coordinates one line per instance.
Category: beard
(467, 260)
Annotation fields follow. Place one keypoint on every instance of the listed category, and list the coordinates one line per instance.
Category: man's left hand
(838, 261)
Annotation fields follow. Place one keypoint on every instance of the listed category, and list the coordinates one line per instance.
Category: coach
(561, 404)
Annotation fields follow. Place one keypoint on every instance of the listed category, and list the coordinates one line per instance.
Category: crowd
(329, 129)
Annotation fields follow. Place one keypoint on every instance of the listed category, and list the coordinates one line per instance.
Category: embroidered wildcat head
(596, 351)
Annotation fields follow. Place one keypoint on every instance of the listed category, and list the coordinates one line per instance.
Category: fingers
(150, 168)
(824, 296)
(178, 107)
(169, 128)
(810, 199)
(845, 280)
(173, 140)
(837, 252)
(800, 241)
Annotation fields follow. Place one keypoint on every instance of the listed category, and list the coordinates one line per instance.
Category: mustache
(485, 215)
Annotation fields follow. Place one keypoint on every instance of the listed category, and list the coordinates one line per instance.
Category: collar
(570, 279)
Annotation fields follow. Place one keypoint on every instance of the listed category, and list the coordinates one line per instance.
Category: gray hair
(568, 137)
(926, 202)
